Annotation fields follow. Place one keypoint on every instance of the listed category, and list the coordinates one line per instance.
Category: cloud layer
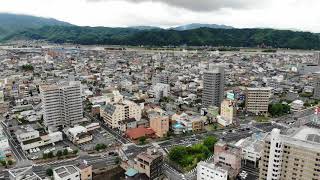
(200, 5)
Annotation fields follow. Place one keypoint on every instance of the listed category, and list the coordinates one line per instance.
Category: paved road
(15, 147)
(111, 131)
(40, 169)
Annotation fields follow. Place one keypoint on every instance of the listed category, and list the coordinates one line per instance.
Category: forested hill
(160, 37)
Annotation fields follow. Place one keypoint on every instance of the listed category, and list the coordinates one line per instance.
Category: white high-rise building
(213, 86)
(62, 104)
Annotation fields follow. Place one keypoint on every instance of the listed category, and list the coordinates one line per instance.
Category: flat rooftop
(307, 134)
(65, 171)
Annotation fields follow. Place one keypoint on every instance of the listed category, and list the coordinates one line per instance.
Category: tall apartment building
(316, 85)
(118, 110)
(150, 163)
(317, 57)
(62, 104)
(257, 100)
(292, 156)
(213, 86)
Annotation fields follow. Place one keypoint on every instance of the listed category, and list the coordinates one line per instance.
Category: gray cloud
(200, 5)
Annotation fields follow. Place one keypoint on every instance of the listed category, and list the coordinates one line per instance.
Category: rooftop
(65, 171)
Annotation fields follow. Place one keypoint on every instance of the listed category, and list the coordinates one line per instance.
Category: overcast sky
(281, 14)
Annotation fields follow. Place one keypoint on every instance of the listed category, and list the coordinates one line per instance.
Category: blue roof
(178, 126)
(131, 172)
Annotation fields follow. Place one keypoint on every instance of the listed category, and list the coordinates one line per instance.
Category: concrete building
(228, 113)
(190, 123)
(257, 100)
(30, 138)
(69, 172)
(252, 148)
(78, 135)
(117, 111)
(23, 173)
(213, 87)
(295, 155)
(62, 104)
(210, 171)
(150, 163)
(296, 106)
(160, 78)
(304, 69)
(85, 171)
(228, 156)
(161, 90)
(316, 85)
(5, 149)
(317, 57)
(159, 123)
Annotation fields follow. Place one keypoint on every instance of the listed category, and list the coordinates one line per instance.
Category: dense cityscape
(105, 112)
(159, 90)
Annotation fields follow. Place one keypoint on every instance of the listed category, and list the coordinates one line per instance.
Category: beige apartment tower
(292, 156)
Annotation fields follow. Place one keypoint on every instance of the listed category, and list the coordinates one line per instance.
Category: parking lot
(37, 153)
(100, 136)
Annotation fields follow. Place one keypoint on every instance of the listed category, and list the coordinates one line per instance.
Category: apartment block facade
(257, 100)
(116, 112)
(293, 156)
(213, 87)
(62, 104)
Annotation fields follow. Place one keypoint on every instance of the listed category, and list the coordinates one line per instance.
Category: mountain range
(13, 27)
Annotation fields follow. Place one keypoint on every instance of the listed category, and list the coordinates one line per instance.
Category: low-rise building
(228, 113)
(210, 171)
(85, 171)
(78, 135)
(191, 123)
(150, 163)
(69, 172)
(228, 156)
(126, 124)
(5, 149)
(23, 173)
(161, 90)
(30, 138)
(159, 123)
(252, 148)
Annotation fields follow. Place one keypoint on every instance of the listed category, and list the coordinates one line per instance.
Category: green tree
(209, 142)
(177, 153)
(98, 147)
(49, 172)
(10, 162)
(3, 163)
(44, 155)
(50, 155)
(65, 152)
(75, 151)
(59, 153)
(142, 140)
